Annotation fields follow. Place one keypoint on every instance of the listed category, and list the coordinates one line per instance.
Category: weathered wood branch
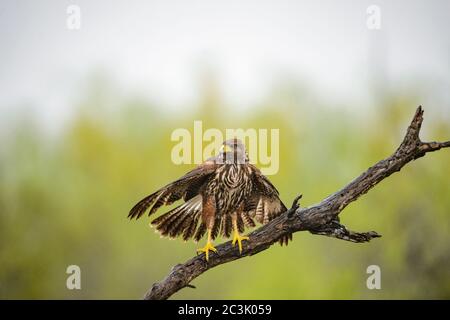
(321, 219)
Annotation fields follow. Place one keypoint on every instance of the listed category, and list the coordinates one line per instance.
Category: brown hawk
(223, 194)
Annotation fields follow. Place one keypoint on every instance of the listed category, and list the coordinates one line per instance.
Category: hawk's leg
(236, 236)
(208, 247)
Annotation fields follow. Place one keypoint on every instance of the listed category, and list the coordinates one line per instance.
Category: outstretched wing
(186, 187)
(265, 204)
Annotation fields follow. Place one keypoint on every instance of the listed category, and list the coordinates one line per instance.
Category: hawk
(224, 194)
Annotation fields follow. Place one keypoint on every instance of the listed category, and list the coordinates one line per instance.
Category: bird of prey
(224, 194)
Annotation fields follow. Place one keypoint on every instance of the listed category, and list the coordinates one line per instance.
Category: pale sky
(156, 48)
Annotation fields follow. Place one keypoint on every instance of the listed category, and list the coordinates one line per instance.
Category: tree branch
(321, 219)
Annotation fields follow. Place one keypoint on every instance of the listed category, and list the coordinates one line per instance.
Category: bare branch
(322, 218)
(336, 230)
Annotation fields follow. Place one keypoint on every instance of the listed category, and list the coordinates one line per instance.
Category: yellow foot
(206, 249)
(238, 238)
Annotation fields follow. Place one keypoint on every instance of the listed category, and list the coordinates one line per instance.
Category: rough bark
(321, 218)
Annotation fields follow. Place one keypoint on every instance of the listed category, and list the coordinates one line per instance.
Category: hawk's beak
(225, 148)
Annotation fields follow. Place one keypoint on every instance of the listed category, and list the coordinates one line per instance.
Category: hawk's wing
(186, 187)
(264, 204)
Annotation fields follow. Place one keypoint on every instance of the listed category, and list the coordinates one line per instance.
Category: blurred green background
(64, 200)
(86, 117)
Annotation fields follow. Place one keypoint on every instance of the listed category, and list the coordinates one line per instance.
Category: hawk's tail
(181, 220)
(285, 239)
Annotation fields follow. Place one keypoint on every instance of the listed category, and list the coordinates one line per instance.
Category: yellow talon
(208, 247)
(237, 237)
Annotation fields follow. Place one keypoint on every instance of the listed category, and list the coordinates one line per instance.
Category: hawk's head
(233, 151)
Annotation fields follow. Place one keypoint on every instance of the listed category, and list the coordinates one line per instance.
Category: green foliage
(64, 201)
